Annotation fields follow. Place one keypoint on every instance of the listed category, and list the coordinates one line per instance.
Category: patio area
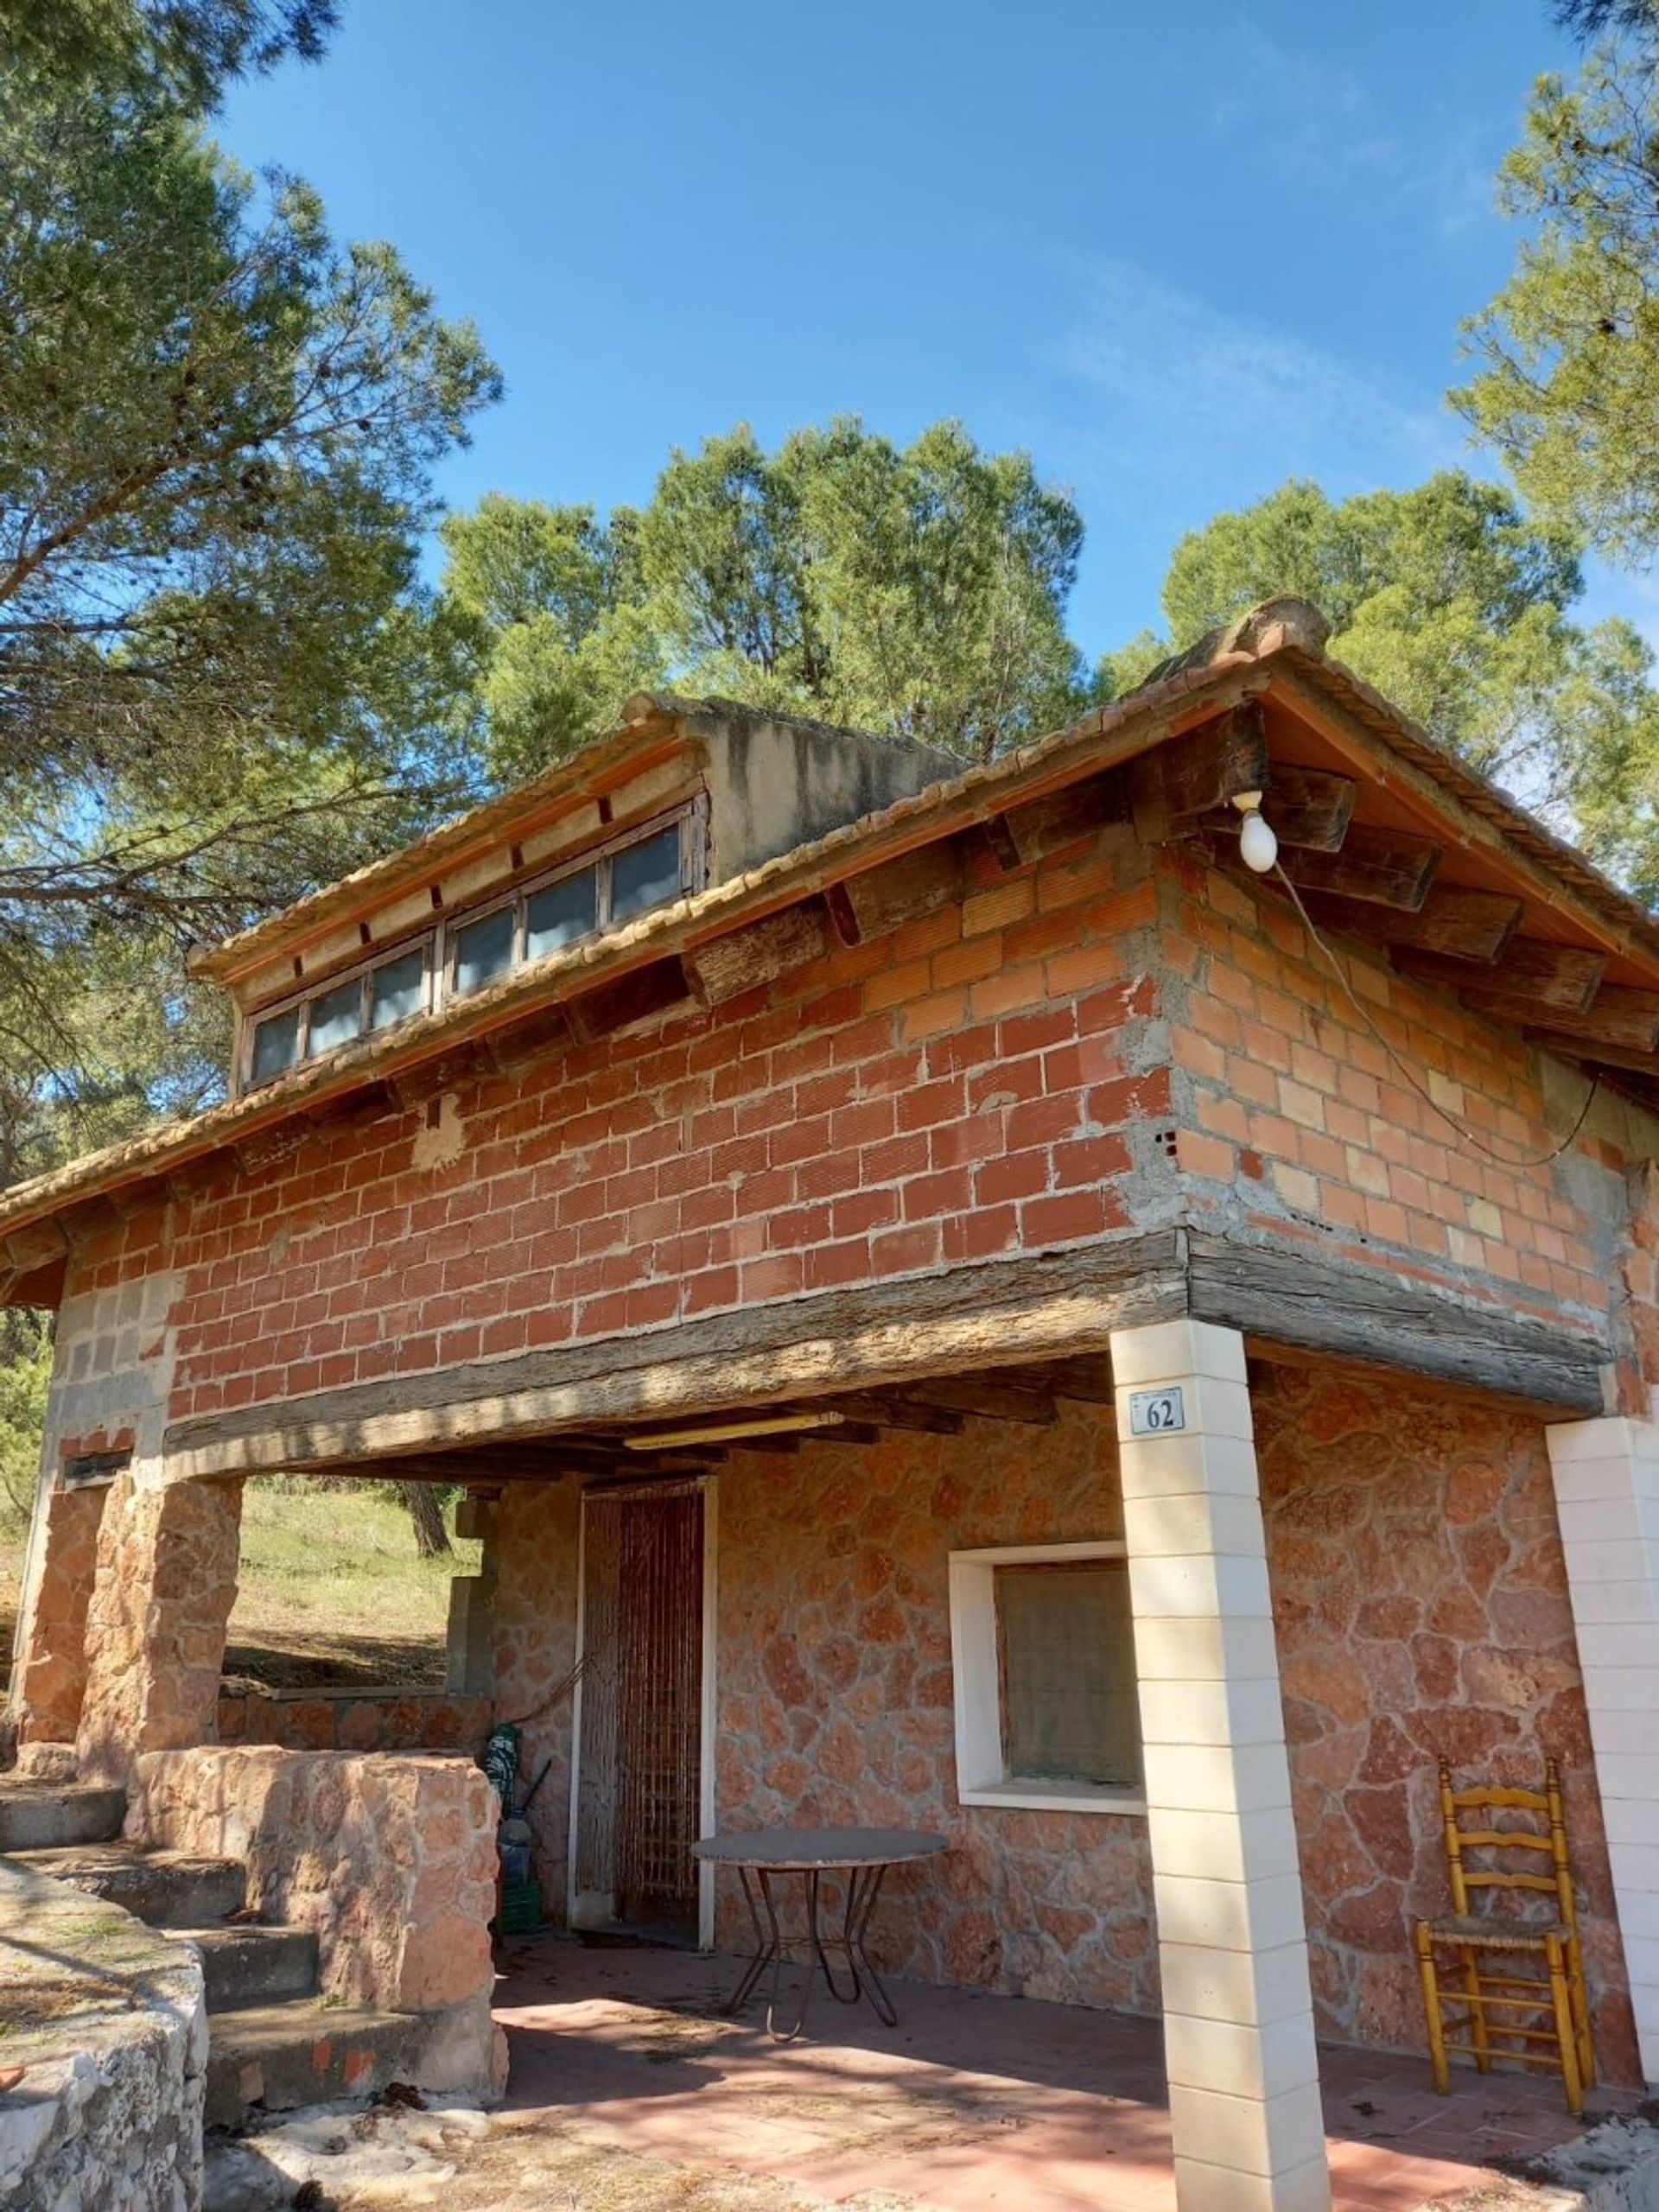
(973, 2101)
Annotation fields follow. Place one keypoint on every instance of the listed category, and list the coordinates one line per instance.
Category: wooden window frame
(981, 1776)
(439, 943)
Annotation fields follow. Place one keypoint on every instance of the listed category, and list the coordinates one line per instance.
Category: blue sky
(1178, 252)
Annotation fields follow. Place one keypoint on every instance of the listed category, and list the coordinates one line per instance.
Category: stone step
(275, 2058)
(168, 1889)
(35, 1815)
(253, 1966)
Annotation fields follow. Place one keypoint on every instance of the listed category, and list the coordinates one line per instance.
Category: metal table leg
(863, 1890)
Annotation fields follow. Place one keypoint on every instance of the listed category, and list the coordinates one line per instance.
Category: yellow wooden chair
(1534, 2019)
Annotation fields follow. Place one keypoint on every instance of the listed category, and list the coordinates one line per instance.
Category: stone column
(49, 1671)
(1245, 2113)
(167, 1560)
(1606, 1477)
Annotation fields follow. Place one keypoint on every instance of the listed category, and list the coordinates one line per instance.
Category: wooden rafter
(1380, 868)
(1192, 774)
(990, 1398)
(1532, 975)
(1306, 807)
(1464, 925)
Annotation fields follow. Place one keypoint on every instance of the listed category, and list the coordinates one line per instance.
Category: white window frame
(981, 1776)
(438, 941)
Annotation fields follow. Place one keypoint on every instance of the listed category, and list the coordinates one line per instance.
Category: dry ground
(330, 1588)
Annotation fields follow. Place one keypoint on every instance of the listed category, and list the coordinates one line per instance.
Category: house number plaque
(1156, 1413)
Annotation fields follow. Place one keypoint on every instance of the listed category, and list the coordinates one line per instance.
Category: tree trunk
(431, 1537)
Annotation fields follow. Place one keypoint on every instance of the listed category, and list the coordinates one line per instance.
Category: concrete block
(1166, 1351)
(1251, 2135)
(1208, 1778)
(1239, 2060)
(1211, 1712)
(1262, 1912)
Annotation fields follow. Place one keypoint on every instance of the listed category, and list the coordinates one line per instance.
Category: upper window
(1043, 1655)
(459, 956)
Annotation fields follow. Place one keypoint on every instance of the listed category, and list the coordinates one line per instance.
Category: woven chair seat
(1478, 1932)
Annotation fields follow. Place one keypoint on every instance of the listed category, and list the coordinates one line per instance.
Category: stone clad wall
(353, 1720)
(1419, 1594)
(835, 1695)
(536, 1548)
(390, 1858)
(109, 2019)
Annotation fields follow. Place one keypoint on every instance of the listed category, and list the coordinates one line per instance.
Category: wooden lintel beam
(1534, 974)
(987, 1398)
(1192, 774)
(1463, 925)
(1380, 868)
(34, 1245)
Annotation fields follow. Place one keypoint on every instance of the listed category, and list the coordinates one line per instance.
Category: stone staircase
(274, 2043)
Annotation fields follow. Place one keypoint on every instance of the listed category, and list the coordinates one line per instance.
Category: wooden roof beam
(1306, 808)
(1379, 868)
(987, 1398)
(1193, 774)
(1463, 925)
(1532, 975)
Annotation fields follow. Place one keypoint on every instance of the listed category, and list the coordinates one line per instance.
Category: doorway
(642, 1780)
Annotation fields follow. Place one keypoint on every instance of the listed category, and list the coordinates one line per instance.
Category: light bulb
(1257, 846)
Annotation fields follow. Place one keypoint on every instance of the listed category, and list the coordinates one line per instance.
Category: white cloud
(1197, 401)
(1304, 116)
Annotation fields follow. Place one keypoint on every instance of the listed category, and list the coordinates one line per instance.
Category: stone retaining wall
(325, 1719)
(390, 1859)
(108, 2019)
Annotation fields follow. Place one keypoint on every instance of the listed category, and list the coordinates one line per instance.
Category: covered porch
(973, 2103)
(1292, 1673)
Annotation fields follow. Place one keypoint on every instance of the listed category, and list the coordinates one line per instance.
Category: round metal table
(862, 1857)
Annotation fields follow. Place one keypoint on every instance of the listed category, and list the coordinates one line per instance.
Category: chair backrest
(1475, 1847)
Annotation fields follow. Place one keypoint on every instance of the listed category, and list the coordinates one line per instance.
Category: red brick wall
(968, 1086)
(1294, 1118)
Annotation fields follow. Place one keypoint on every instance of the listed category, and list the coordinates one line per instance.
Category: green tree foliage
(25, 1377)
(919, 591)
(1567, 386)
(217, 673)
(1455, 608)
(188, 46)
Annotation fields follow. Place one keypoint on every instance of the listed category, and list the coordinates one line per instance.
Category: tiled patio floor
(973, 2103)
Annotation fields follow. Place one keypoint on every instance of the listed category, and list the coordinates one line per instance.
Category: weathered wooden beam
(1365, 1313)
(1566, 1046)
(1306, 807)
(1381, 868)
(903, 890)
(728, 965)
(1464, 925)
(642, 994)
(879, 1337)
(1615, 1017)
(895, 1412)
(1088, 1380)
(1045, 826)
(34, 1245)
(987, 1396)
(1533, 974)
(1192, 774)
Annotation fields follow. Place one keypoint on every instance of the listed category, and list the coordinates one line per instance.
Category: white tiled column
(1239, 2021)
(1607, 1501)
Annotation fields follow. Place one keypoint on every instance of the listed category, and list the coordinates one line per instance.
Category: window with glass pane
(336, 1017)
(484, 949)
(397, 989)
(1066, 1658)
(646, 874)
(276, 1044)
(561, 913)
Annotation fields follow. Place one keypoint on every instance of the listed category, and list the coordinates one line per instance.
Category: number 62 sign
(1156, 1413)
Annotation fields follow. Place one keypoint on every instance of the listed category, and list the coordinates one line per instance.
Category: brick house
(869, 1232)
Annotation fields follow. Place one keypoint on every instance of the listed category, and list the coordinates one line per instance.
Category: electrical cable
(1460, 1129)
